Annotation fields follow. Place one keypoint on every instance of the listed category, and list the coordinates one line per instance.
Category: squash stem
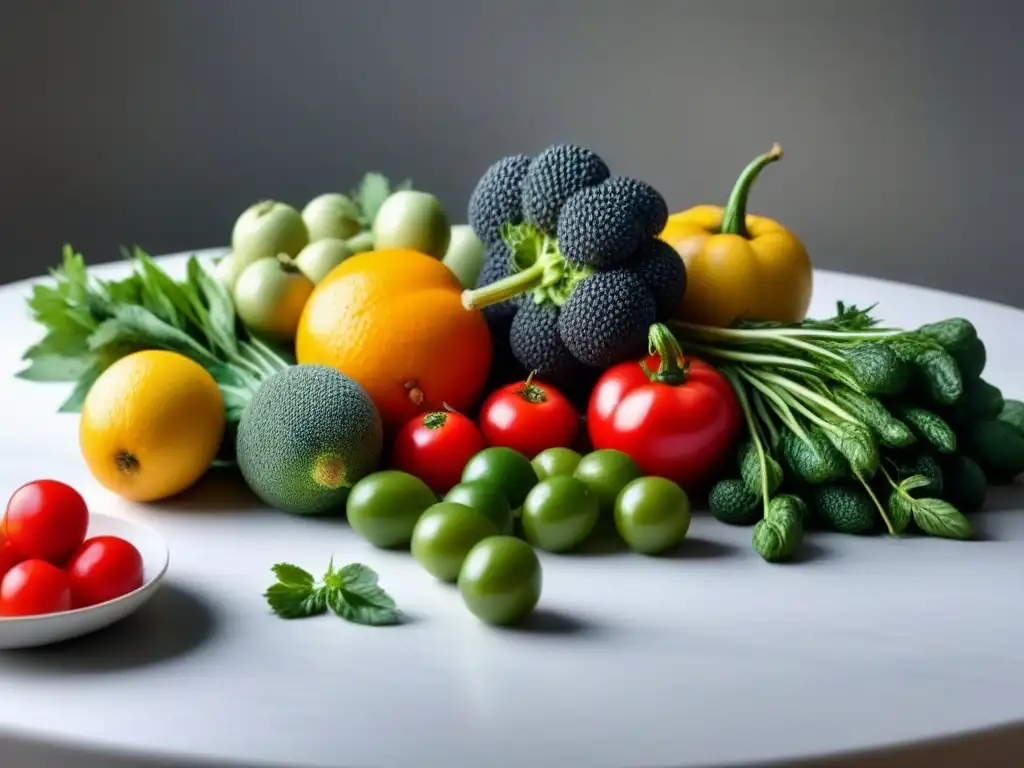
(734, 217)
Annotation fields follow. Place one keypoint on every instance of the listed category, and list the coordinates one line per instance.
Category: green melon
(307, 436)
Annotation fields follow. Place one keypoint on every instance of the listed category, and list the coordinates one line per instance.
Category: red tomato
(46, 519)
(436, 447)
(675, 424)
(529, 417)
(33, 587)
(9, 556)
(104, 568)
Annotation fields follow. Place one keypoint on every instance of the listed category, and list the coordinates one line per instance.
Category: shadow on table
(21, 751)
(997, 747)
(221, 489)
(173, 623)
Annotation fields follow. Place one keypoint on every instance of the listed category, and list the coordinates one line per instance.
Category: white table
(712, 658)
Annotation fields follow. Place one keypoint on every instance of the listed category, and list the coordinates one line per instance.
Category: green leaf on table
(351, 593)
(940, 518)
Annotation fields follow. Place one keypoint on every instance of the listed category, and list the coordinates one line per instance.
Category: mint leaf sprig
(350, 592)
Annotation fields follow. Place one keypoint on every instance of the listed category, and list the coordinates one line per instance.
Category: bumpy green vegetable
(853, 412)
(730, 501)
(778, 536)
(997, 447)
(964, 483)
(923, 464)
(750, 469)
(959, 337)
(878, 369)
(928, 426)
(981, 401)
(846, 507)
(814, 459)
(1013, 414)
(889, 430)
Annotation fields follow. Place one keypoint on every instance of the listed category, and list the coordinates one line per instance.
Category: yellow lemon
(151, 425)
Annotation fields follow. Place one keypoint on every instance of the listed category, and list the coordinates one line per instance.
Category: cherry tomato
(675, 421)
(104, 568)
(529, 417)
(435, 447)
(46, 520)
(33, 587)
(9, 556)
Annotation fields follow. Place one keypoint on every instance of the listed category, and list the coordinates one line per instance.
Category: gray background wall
(156, 122)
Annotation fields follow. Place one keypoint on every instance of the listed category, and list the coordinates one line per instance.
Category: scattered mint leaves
(351, 592)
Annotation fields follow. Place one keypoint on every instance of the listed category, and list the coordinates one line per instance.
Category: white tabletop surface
(711, 658)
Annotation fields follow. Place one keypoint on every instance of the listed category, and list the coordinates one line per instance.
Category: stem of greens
(877, 503)
(755, 439)
(776, 334)
(808, 394)
(672, 366)
(766, 419)
(752, 358)
(777, 403)
(734, 217)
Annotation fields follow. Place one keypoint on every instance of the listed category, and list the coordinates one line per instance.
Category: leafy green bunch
(91, 323)
(849, 423)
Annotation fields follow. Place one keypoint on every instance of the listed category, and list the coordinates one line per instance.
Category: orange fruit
(393, 320)
(151, 425)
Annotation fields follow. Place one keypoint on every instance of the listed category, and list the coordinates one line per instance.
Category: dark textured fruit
(597, 228)
(606, 319)
(306, 437)
(496, 198)
(538, 346)
(649, 207)
(664, 273)
(555, 175)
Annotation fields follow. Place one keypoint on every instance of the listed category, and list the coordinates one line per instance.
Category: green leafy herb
(90, 324)
(933, 516)
(371, 193)
(351, 592)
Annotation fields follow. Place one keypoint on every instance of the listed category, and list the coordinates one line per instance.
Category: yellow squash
(738, 265)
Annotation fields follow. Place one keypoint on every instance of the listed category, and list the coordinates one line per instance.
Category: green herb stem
(755, 438)
(751, 358)
(809, 395)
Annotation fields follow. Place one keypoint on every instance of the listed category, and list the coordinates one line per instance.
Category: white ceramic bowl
(32, 631)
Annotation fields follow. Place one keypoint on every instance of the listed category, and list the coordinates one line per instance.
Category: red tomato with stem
(529, 416)
(435, 447)
(9, 556)
(34, 587)
(676, 418)
(46, 520)
(104, 568)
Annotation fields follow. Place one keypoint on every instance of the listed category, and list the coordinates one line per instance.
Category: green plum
(443, 536)
(331, 216)
(413, 220)
(465, 255)
(270, 295)
(318, 258)
(266, 229)
(652, 515)
(556, 461)
(504, 469)
(486, 499)
(559, 513)
(501, 580)
(607, 472)
(384, 507)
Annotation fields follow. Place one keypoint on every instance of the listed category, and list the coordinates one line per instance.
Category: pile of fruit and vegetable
(573, 364)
